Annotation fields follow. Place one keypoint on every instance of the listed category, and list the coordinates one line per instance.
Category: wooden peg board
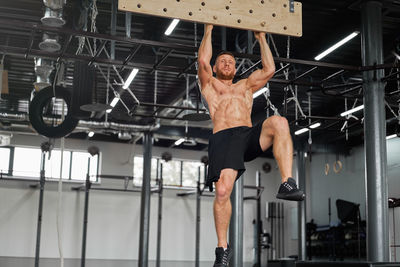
(271, 16)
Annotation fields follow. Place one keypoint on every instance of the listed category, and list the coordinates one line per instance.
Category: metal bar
(98, 52)
(332, 76)
(114, 189)
(128, 24)
(301, 176)
(169, 106)
(375, 133)
(131, 54)
(162, 60)
(159, 223)
(198, 203)
(145, 201)
(31, 39)
(390, 76)
(65, 48)
(40, 209)
(85, 215)
(337, 86)
(303, 74)
(114, 12)
(258, 224)
(111, 176)
(187, 68)
(349, 90)
(236, 224)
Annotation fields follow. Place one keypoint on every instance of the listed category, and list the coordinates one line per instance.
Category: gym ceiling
(322, 89)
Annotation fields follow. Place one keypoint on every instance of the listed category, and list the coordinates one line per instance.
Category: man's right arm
(205, 53)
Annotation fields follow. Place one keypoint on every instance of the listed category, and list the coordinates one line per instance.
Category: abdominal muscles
(231, 112)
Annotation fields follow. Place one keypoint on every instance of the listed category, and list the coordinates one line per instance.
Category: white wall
(114, 217)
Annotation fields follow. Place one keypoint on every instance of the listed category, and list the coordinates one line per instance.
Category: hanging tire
(39, 101)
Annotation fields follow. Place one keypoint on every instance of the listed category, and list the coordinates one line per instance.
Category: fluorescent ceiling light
(315, 125)
(260, 92)
(298, 132)
(113, 104)
(336, 46)
(171, 26)
(130, 78)
(180, 141)
(91, 134)
(391, 136)
(344, 114)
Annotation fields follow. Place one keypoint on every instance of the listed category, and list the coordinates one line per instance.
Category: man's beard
(222, 76)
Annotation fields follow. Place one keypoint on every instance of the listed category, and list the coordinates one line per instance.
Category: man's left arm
(260, 77)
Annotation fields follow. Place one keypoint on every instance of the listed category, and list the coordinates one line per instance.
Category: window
(190, 173)
(175, 172)
(138, 170)
(53, 165)
(80, 165)
(27, 162)
(172, 172)
(4, 160)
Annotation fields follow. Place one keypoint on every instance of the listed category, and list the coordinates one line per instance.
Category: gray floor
(29, 262)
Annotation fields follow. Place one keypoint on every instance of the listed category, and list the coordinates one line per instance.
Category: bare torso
(229, 105)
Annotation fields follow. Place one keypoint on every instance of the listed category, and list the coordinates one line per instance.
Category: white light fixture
(113, 104)
(130, 78)
(350, 111)
(260, 92)
(91, 134)
(391, 136)
(298, 132)
(336, 46)
(180, 141)
(315, 125)
(171, 26)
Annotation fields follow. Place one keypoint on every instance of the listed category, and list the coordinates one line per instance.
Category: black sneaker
(222, 257)
(289, 191)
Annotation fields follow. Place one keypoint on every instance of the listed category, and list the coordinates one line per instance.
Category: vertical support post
(301, 176)
(128, 23)
(375, 133)
(236, 224)
(249, 42)
(258, 222)
(85, 215)
(223, 38)
(198, 202)
(40, 209)
(114, 10)
(145, 201)
(160, 198)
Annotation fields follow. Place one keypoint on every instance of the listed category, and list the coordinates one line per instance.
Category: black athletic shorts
(230, 148)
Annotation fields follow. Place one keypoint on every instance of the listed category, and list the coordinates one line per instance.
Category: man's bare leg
(222, 204)
(275, 131)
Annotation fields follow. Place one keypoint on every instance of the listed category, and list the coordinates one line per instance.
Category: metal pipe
(159, 223)
(375, 133)
(236, 224)
(198, 202)
(85, 215)
(145, 201)
(258, 223)
(40, 209)
(301, 176)
(114, 14)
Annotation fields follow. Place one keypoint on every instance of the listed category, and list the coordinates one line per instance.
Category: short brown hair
(224, 53)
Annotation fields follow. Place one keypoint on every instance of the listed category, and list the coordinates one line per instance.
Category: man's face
(225, 67)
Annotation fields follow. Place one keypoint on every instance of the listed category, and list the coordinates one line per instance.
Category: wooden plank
(271, 16)
(4, 80)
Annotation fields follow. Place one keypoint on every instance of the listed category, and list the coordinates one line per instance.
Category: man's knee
(224, 188)
(277, 123)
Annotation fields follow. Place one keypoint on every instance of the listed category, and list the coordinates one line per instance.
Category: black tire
(36, 109)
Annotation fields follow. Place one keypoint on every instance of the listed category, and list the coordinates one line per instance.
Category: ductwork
(50, 43)
(87, 125)
(53, 13)
(43, 69)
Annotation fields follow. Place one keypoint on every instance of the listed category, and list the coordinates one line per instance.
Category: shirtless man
(234, 139)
